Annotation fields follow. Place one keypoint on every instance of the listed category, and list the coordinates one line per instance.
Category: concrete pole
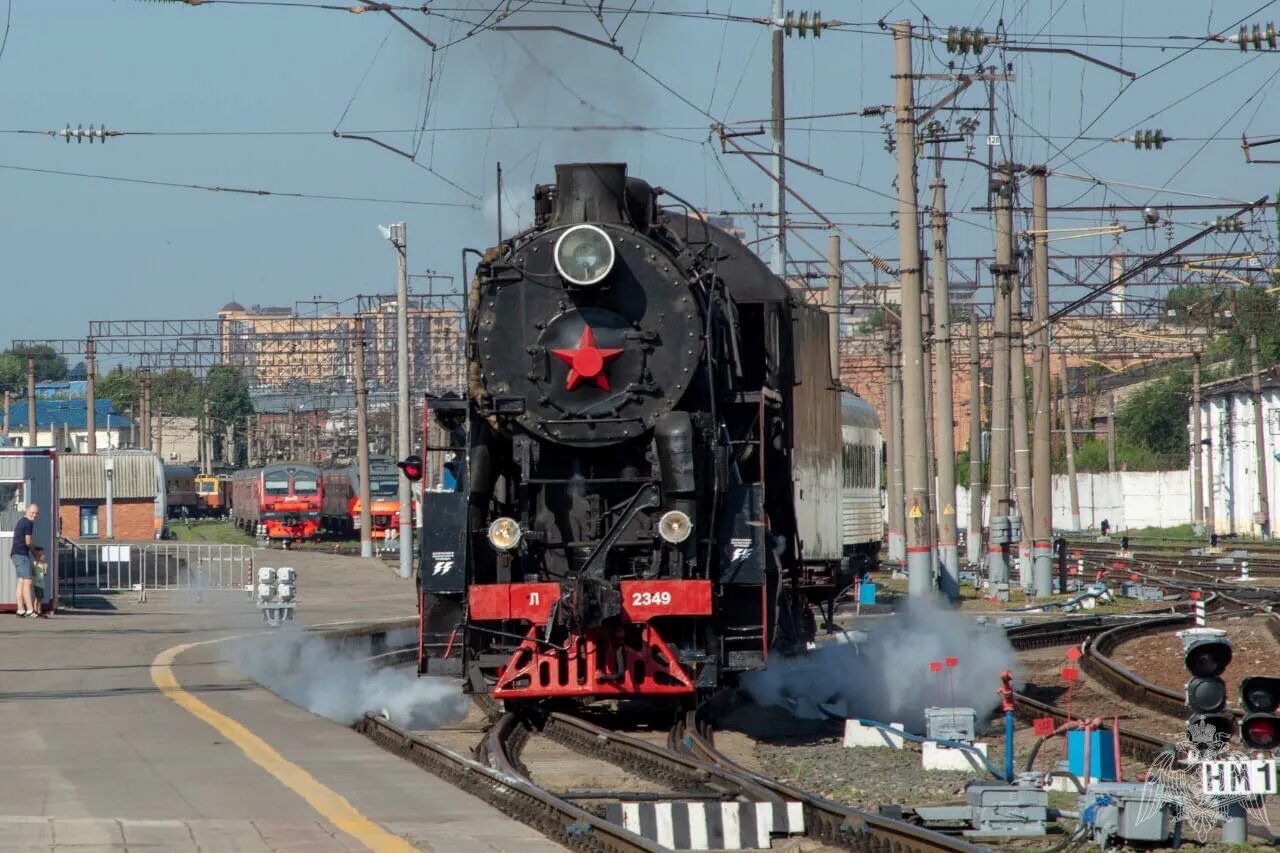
(159, 433)
(405, 442)
(1004, 277)
(930, 472)
(893, 452)
(362, 444)
(1019, 444)
(90, 402)
(1210, 507)
(32, 426)
(144, 411)
(1197, 434)
(1073, 487)
(778, 126)
(206, 442)
(1111, 432)
(915, 464)
(975, 444)
(944, 415)
(834, 276)
(1262, 519)
(1042, 428)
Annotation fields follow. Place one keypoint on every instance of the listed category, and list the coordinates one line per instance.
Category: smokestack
(590, 192)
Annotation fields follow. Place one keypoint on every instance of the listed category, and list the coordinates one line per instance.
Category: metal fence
(183, 566)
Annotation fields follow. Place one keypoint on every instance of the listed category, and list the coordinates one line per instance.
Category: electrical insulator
(803, 24)
(1228, 224)
(80, 134)
(965, 40)
(1256, 37)
(1148, 139)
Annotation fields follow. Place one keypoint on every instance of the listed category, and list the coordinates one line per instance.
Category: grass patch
(216, 532)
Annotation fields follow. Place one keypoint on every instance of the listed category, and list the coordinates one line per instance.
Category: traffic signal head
(1206, 695)
(1208, 658)
(412, 468)
(1260, 728)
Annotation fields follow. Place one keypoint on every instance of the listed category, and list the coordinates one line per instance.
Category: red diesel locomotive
(286, 498)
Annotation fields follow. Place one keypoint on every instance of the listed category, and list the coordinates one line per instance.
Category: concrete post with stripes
(1198, 603)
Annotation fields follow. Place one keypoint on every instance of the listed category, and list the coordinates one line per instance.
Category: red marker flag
(1073, 654)
(1070, 673)
(935, 666)
(1043, 726)
(953, 662)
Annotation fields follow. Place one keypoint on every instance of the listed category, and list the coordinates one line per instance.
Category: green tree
(121, 387)
(50, 367)
(1154, 420)
(229, 403)
(177, 393)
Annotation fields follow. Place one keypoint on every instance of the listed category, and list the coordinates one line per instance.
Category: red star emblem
(587, 361)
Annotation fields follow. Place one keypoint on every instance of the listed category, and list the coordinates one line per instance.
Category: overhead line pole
(779, 129)
(90, 402)
(1041, 457)
(1262, 518)
(974, 538)
(915, 467)
(1197, 448)
(405, 445)
(362, 443)
(1073, 488)
(1003, 271)
(893, 450)
(1020, 521)
(32, 426)
(944, 415)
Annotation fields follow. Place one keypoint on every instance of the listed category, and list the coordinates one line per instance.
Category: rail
(836, 824)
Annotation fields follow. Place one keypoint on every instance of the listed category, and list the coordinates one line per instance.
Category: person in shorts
(23, 558)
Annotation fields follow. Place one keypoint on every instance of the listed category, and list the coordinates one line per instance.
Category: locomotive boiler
(651, 459)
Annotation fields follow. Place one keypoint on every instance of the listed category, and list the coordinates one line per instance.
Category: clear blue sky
(76, 249)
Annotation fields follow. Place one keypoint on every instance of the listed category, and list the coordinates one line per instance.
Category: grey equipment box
(1003, 809)
(951, 723)
(1124, 811)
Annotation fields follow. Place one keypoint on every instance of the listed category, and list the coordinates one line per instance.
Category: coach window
(89, 521)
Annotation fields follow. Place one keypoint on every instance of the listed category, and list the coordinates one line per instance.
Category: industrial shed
(128, 505)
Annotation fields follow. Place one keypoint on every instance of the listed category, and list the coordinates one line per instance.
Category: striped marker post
(1198, 602)
(1244, 570)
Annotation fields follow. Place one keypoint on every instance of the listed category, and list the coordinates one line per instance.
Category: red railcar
(342, 498)
(286, 498)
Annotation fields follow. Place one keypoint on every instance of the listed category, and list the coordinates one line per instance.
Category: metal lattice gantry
(285, 349)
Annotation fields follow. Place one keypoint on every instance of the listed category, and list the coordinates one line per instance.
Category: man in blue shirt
(23, 556)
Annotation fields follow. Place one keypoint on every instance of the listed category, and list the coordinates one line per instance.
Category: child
(41, 569)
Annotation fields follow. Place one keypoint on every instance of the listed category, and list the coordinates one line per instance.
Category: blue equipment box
(867, 593)
(1102, 755)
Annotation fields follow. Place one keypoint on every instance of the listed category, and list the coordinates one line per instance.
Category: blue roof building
(68, 419)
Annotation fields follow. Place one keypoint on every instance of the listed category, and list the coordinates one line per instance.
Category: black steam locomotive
(649, 459)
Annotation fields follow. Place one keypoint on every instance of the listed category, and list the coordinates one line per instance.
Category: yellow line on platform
(329, 803)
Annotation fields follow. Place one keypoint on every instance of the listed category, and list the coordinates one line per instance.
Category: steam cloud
(887, 677)
(342, 684)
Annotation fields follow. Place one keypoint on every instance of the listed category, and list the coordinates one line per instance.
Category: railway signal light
(1207, 656)
(412, 467)
(1260, 728)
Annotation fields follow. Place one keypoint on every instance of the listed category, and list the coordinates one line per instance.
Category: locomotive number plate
(651, 599)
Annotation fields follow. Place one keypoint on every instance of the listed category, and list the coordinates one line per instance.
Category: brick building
(137, 496)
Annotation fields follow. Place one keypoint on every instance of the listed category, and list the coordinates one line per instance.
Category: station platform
(126, 725)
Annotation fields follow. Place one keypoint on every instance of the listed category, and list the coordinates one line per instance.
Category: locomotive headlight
(584, 255)
(674, 527)
(504, 533)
